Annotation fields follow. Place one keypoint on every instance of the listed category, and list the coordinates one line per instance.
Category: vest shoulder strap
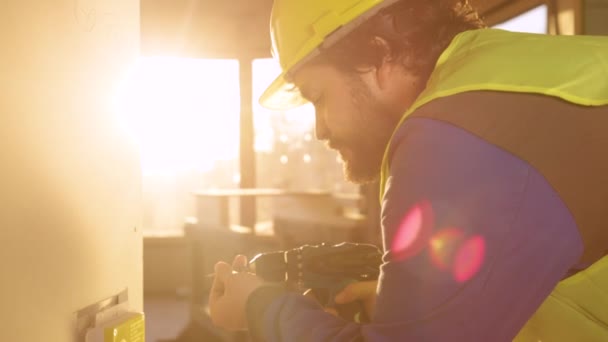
(573, 68)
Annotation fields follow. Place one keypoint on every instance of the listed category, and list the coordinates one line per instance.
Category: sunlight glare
(183, 112)
(300, 120)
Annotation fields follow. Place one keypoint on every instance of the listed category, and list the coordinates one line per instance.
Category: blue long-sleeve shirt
(474, 240)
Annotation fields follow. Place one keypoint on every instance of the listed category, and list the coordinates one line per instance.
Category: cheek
(339, 115)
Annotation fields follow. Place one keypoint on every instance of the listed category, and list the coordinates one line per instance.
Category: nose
(321, 130)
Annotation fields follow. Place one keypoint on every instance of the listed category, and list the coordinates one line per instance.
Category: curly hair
(416, 33)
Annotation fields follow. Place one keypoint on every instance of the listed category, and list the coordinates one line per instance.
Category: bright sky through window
(184, 113)
(301, 118)
(532, 21)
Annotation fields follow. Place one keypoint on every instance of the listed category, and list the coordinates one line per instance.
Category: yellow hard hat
(299, 28)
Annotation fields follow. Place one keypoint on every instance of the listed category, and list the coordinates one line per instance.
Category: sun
(182, 112)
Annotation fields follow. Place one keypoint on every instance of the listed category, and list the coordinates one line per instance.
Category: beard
(362, 147)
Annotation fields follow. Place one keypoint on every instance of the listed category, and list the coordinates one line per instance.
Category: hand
(229, 294)
(311, 294)
(364, 291)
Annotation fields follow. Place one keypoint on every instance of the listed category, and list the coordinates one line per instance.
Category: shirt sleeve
(474, 239)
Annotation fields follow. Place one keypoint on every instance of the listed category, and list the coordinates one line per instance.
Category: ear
(385, 69)
(381, 78)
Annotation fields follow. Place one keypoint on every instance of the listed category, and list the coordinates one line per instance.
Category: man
(494, 181)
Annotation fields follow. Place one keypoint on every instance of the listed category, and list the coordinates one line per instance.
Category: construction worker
(490, 147)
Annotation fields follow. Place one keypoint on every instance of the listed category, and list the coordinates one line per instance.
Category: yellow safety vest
(571, 68)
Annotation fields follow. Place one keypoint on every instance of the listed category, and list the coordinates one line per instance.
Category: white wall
(70, 198)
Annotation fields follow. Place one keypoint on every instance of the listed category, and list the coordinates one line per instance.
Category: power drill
(323, 269)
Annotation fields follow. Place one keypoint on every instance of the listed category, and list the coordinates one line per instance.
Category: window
(288, 156)
(184, 115)
(532, 21)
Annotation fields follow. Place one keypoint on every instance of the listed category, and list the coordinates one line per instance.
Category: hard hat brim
(282, 95)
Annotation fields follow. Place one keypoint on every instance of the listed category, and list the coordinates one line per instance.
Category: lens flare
(413, 233)
(409, 230)
(469, 259)
(443, 247)
(450, 250)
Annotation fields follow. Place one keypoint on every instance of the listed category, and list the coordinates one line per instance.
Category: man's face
(349, 118)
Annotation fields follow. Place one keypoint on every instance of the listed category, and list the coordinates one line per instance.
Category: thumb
(222, 271)
(240, 263)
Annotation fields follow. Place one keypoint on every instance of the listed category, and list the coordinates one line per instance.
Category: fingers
(239, 264)
(310, 293)
(222, 271)
(218, 289)
(228, 301)
(332, 311)
(356, 291)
